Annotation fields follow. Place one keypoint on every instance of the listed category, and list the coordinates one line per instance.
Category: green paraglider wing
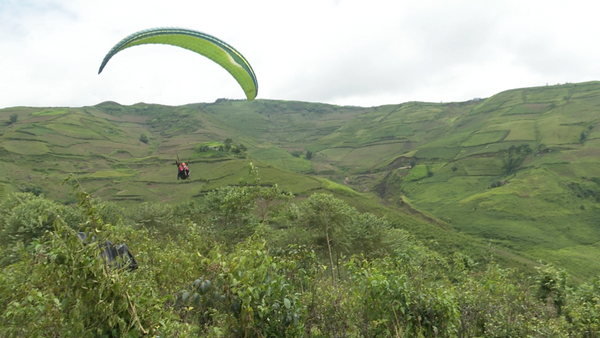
(198, 42)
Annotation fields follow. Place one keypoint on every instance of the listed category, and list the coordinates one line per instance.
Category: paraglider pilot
(183, 171)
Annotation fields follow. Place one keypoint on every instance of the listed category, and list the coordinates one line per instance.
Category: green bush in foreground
(63, 288)
(270, 281)
(25, 217)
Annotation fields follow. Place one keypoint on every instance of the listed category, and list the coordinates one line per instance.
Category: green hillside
(101, 146)
(546, 206)
(517, 170)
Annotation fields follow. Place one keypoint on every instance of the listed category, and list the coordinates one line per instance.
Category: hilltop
(517, 170)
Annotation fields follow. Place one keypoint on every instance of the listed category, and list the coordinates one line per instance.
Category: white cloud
(345, 52)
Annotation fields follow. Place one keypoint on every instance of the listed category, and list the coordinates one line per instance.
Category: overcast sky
(346, 52)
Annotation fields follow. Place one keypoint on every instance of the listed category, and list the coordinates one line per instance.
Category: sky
(344, 52)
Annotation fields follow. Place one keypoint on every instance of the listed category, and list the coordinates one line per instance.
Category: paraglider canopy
(201, 43)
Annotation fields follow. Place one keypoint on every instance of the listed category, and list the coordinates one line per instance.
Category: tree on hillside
(368, 234)
(233, 209)
(227, 144)
(515, 157)
(239, 149)
(330, 217)
(582, 137)
(552, 285)
(13, 118)
(308, 154)
(144, 138)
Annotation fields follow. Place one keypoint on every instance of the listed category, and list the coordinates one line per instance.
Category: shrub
(396, 302)
(25, 217)
(582, 312)
(248, 292)
(64, 288)
(13, 118)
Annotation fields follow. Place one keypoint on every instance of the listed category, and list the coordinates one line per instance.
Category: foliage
(144, 138)
(230, 212)
(340, 228)
(582, 137)
(227, 144)
(231, 267)
(395, 302)
(236, 211)
(63, 287)
(216, 149)
(328, 218)
(202, 148)
(25, 217)
(498, 184)
(13, 118)
(583, 312)
(34, 189)
(515, 157)
(493, 304)
(369, 235)
(552, 286)
(151, 215)
(248, 291)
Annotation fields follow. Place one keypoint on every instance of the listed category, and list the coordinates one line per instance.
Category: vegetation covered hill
(517, 169)
(520, 168)
(363, 222)
(126, 154)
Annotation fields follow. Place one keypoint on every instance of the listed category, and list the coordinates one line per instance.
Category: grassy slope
(547, 211)
(101, 146)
